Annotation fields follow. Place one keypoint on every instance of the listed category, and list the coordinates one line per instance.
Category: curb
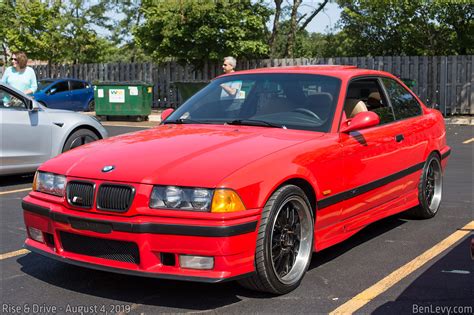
(461, 120)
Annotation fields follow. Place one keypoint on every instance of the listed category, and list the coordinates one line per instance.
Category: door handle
(399, 138)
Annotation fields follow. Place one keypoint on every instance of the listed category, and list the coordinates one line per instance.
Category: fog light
(196, 262)
(36, 234)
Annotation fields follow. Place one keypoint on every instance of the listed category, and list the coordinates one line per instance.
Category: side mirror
(31, 105)
(51, 91)
(360, 121)
(165, 114)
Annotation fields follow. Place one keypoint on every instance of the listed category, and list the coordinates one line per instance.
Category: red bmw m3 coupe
(245, 180)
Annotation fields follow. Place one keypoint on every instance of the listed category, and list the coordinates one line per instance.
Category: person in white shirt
(230, 89)
(19, 75)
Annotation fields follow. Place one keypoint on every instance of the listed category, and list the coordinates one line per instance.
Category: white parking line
(14, 254)
(13, 191)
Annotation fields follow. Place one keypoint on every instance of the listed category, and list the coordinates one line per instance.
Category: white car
(30, 133)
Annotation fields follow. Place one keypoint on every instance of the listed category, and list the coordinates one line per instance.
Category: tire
(429, 189)
(284, 242)
(78, 138)
(91, 106)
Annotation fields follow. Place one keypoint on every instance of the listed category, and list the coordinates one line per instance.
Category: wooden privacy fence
(446, 81)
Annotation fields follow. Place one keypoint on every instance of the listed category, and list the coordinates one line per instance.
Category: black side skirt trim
(133, 272)
(329, 201)
(103, 226)
(446, 154)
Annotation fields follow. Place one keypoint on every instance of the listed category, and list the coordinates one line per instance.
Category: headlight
(195, 199)
(49, 183)
(171, 197)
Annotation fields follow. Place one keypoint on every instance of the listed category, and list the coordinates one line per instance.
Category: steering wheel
(307, 112)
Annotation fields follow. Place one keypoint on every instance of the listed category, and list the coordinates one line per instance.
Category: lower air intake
(101, 248)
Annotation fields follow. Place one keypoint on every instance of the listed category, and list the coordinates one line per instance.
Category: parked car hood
(183, 155)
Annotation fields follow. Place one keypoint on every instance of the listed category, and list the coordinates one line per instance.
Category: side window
(403, 103)
(77, 85)
(8, 100)
(366, 95)
(59, 87)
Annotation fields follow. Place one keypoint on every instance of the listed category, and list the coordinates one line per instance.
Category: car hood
(184, 155)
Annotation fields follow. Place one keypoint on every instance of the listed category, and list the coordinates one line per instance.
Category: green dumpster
(124, 99)
(188, 89)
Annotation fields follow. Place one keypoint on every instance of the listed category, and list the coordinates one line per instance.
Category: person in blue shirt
(19, 75)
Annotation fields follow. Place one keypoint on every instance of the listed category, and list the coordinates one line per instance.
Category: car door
(59, 96)
(25, 135)
(78, 94)
(408, 113)
(374, 156)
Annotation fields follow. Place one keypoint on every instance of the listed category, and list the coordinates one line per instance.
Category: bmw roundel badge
(108, 168)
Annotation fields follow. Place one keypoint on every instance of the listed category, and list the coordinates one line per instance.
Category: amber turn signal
(226, 200)
(35, 181)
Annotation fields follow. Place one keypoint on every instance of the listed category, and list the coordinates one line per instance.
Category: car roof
(340, 71)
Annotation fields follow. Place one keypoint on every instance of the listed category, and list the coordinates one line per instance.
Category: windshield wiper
(254, 122)
(183, 121)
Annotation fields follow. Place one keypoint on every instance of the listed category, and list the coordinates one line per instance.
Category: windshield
(42, 84)
(293, 101)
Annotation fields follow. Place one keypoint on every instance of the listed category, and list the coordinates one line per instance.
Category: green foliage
(56, 31)
(417, 27)
(195, 30)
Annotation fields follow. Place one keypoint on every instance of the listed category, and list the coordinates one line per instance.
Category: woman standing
(19, 75)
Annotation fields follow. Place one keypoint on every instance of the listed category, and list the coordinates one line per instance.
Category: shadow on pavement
(447, 283)
(372, 231)
(16, 179)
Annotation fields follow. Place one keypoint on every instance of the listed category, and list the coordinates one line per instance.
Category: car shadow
(168, 293)
(448, 283)
(370, 232)
(10, 180)
(130, 289)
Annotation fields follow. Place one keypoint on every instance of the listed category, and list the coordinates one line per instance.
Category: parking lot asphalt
(384, 269)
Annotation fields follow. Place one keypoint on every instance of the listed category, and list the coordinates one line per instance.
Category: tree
(193, 30)
(31, 26)
(127, 50)
(56, 31)
(415, 27)
(83, 19)
(297, 25)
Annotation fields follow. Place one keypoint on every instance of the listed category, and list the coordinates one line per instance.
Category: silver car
(30, 133)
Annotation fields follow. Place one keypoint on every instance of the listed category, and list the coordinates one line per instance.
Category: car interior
(366, 95)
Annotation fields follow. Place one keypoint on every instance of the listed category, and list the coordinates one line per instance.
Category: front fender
(257, 181)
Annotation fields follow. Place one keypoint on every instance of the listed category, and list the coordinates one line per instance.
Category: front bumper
(230, 242)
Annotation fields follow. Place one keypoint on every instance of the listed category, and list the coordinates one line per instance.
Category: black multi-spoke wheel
(430, 188)
(91, 106)
(284, 244)
(78, 138)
